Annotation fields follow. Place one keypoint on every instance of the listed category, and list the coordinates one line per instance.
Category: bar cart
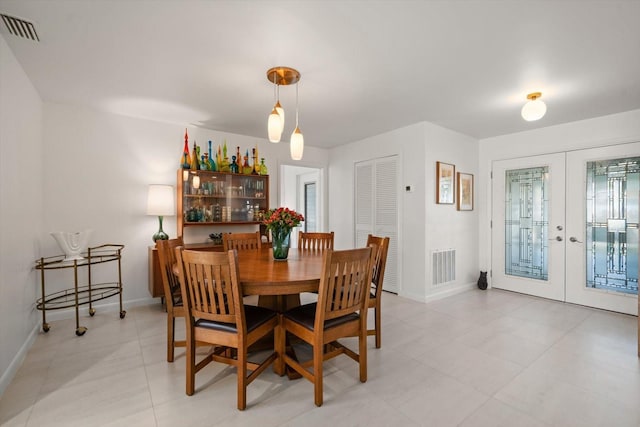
(80, 295)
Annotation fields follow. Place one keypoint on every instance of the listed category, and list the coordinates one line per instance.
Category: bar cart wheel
(92, 312)
(45, 327)
(80, 331)
(123, 313)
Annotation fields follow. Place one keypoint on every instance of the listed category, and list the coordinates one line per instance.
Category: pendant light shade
(274, 126)
(297, 144)
(534, 109)
(284, 76)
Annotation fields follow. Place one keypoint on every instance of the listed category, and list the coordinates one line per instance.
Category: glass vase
(281, 243)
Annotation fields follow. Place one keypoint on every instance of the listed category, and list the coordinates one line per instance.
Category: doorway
(565, 226)
(301, 188)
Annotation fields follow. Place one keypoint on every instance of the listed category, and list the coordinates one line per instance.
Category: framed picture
(464, 184)
(445, 174)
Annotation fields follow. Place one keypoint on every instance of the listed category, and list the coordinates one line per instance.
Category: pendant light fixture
(534, 109)
(284, 76)
(275, 125)
(297, 140)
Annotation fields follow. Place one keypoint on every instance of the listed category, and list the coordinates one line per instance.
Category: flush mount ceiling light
(284, 76)
(534, 109)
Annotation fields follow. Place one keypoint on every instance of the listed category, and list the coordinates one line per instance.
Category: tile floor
(481, 358)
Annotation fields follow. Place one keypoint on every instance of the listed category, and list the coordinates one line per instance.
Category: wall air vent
(20, 27)
(443, 266)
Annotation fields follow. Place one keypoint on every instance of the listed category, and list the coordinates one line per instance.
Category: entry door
(576, 243)
(528, 225)
(602, 227)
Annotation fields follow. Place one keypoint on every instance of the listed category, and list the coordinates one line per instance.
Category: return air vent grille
(20, 27)
(443, 266)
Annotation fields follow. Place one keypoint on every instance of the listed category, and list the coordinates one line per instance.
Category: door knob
(559, 228)
(574, 240)
(558, 238)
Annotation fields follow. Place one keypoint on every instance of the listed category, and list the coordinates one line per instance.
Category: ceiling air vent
(20, 27)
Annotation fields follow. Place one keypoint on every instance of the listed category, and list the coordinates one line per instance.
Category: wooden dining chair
(216, 315)
(241, 241)
(341, 311)
(377, 277)
(315, 241)
(172, 294)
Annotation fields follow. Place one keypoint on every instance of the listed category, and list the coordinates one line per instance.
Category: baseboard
(448, 291)
(442, 292)
(16, 363)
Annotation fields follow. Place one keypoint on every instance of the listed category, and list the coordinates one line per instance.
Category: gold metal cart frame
(80, 295)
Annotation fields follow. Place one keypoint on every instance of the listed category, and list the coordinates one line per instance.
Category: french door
(602, 245)
(528, 226)
(565, 226)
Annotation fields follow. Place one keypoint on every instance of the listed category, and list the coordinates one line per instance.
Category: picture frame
(445, 185)
(464, 190)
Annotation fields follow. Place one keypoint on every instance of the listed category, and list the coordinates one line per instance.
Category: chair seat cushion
(254, 316)
(306, 316)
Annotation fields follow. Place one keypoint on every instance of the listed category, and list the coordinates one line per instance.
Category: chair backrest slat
(345, 282)
(241, 241)
(210, 279)
(167, 260)
(382, 248)
(315, 241)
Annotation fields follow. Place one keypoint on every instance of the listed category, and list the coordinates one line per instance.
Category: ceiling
(367, 66)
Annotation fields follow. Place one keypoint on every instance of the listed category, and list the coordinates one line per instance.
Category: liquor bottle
(233, 167)
(211, 164)
(256, 165)
(246, 169)
(195, 165)
(263, 167)
(185, 161)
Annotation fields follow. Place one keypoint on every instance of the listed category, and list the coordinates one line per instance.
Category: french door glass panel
(612, 225)
(602, 227)
(528, 225)
(526, 222)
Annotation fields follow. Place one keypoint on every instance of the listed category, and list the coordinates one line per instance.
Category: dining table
(279, 283)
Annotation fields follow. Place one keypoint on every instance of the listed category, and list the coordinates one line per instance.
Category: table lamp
(160, 202)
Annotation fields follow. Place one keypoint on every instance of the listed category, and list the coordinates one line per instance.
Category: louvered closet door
(376, 209)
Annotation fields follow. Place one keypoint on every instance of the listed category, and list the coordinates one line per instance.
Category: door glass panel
(526, 222)
(613, 188)
(310, 207)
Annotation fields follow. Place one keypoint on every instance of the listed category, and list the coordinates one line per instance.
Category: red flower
(282, 218)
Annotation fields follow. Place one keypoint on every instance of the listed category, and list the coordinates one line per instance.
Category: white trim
(16, 363)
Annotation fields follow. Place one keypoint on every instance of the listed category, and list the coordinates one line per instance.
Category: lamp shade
(274, 126)
(160, 200)
(534, 109)
(297, 144)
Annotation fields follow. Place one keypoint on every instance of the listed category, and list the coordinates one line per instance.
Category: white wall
(21, 213)
(602, 131)
(446, 227)
(424, 226)
(105, 189)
